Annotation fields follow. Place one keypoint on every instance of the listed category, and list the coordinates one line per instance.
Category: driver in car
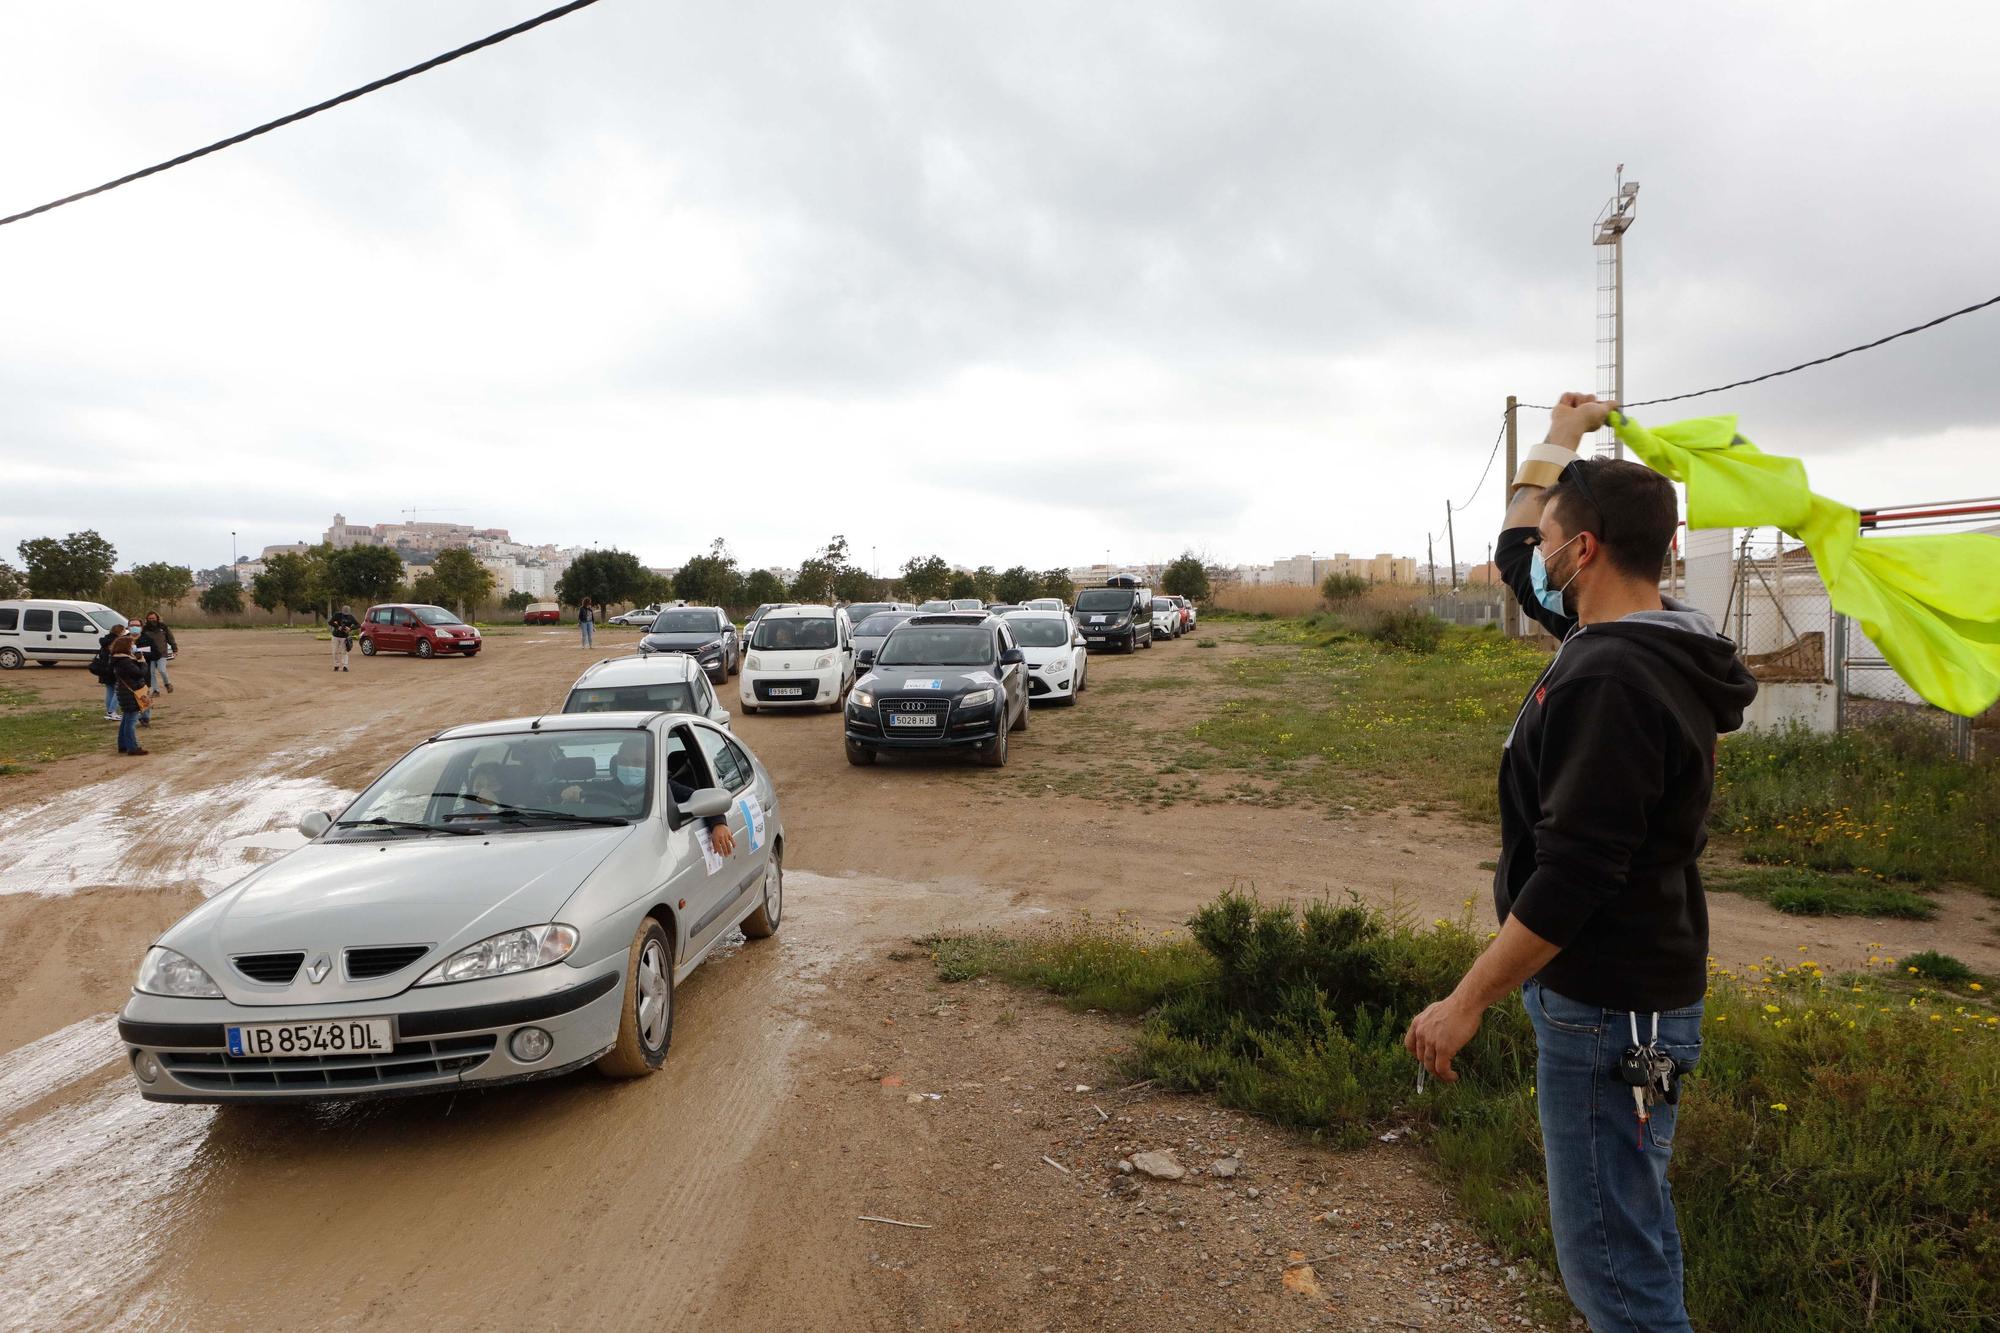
(626, 786)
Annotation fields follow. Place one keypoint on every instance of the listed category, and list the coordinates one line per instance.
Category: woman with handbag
(134, 695)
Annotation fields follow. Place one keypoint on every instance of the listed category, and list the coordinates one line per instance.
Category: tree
(711, 579)
(926, 577)
(820, 571)
(222, 599)
(461, 579)
(1186, 577)
(606, 577)
(1340, 589)
(121, 592)
(72, 566)
(288, 581)
(762, 586)
(856, 585)
(11, 582)
(1018, 584)
(1056, 583)
(518, 601)
(219, 574)
(962, 585)
(354, 573)
(162, 584)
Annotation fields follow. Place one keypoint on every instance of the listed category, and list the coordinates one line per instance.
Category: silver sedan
(510, 900)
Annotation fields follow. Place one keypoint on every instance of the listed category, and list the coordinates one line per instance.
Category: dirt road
(817, 1079)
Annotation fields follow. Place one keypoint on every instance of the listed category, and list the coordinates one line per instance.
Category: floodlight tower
(1608, 234)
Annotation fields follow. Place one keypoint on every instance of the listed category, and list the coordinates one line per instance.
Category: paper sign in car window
(753, 818)
(709, 856)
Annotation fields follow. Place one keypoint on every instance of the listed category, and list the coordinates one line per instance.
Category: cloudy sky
(1022, 283)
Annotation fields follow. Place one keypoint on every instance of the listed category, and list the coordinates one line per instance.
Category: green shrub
(1836, 1155)
(1934, 966)
(1406, 628)
(1802, 892)
(1341, 589)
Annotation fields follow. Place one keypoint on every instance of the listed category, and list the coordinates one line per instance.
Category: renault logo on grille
(320, 967)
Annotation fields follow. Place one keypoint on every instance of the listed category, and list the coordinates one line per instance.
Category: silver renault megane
(510, 900)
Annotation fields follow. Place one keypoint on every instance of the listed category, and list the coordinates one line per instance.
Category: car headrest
(576, 768)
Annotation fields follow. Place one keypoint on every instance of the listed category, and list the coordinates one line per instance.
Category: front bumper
(1096, 634)
(864, 728)
(445, 1037)
(1052, 684)
(816, 689)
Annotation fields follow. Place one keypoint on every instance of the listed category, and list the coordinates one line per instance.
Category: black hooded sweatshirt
(1605, 784)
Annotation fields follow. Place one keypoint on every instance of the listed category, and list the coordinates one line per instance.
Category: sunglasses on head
(1577, 476)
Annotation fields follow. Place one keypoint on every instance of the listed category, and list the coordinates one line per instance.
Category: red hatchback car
(408, 627)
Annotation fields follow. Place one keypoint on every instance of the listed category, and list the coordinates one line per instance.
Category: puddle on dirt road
(44, 1066)
(129, 831)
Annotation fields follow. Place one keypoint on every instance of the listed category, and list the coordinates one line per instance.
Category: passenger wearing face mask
(1605, 782)
(626, 786)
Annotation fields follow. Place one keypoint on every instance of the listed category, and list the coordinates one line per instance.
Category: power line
(1803, 365)
(1487, 472)
(491, 40)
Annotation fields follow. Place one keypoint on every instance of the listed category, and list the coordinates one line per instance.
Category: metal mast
(1608, 234)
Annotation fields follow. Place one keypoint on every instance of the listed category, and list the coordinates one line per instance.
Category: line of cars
(517, 899)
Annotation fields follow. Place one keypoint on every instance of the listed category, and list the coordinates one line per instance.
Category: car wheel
(859, 755)
(995, 753)
(368, 647)
(424, 648)
(736, 665)
(11, 659)
(762, 924)
(646, 1026)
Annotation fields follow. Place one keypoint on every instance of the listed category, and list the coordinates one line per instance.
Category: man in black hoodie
(1605, 782)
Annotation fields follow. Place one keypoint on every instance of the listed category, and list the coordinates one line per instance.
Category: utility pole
(1431, 561)
(232, 553)
(1512, 609)
(1451, 545)
(1613, 220)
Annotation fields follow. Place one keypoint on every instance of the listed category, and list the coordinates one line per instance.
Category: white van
(800, 657)
(46, 631)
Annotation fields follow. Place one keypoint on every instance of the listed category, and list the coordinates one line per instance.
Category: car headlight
(521, 950)
(711, 650)
(754, 664)
(164, 972)
(862, 698)
(1056, 664)
(823, 662)
(976, 699)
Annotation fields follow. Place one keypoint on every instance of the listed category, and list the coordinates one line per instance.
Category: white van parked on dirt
(47, 631)
(800, 657)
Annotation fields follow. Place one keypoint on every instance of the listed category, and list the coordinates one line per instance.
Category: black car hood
(932, 682)
(681, 643)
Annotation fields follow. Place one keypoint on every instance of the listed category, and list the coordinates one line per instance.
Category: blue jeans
(111, 700)
(128, 731)
(158, 668)
(586, 627)
(1609, 1203)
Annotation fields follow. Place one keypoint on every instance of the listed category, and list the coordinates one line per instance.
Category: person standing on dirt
(100, 667)
(586, 620)
(143, 651)
(344, 627)
(130, 679)
(160, 646)
(1605, 782)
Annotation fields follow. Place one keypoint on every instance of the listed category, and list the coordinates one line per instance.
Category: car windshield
(1104, 599)
(1162, 604)
(1039, 631)
(500, 783)
(935, 605)
(965, 604)
(803, 633)
(863, 610)
(878, 625)
(106, 619)
(435, 615)
(937, 645)
(687, 622)
(666, 697)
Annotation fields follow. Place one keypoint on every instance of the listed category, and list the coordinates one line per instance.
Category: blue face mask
(1538, 574)
(632, 775)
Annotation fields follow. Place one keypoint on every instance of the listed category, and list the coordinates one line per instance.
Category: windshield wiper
(515, 812)
(379, 822)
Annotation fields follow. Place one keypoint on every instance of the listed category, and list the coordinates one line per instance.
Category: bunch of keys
(1652, 1074)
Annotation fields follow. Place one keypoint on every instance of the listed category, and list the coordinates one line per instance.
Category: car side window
(684, 762)
(38, 620)
(10, 619)
(742, 763)
(722, 759)
(73, 622)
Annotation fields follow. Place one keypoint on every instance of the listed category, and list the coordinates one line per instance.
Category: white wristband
(1550, 453)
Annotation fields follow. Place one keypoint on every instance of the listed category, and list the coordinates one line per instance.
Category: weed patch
(1801, 892)
(32, 734)
(1835, 1158)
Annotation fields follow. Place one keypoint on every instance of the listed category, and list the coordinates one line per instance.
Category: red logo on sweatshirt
(1541, 694)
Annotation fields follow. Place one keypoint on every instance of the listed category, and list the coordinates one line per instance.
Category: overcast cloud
(1014, 284)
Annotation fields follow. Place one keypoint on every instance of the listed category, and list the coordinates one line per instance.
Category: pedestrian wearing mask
(134, 694)
(586, 620)
(1605, 782)
(344, 627)
(100, 667)
(160, 646)
(143, 652)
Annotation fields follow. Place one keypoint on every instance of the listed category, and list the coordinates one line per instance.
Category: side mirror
(1079, 642)
(1012, 657)
(707, 802)
(315, 822)
(720, 717)
(865, 658)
